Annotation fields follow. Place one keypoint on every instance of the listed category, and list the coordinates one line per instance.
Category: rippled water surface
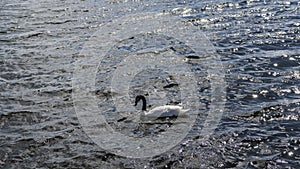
(257, 41)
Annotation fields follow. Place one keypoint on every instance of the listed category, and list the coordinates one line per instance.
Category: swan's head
(138, 98)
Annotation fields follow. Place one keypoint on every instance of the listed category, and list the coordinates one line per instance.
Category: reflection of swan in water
(161, 111)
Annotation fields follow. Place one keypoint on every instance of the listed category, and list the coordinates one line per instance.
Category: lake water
(257, 53)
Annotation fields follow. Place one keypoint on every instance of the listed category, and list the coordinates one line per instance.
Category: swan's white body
(164, 111)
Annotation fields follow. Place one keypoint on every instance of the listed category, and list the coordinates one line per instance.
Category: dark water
(258, 43)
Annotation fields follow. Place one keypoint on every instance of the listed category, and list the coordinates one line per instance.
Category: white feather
(164, 111)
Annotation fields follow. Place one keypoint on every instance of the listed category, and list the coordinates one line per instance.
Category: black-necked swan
(161, 111)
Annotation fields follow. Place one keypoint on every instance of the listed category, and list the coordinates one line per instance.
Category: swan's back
(165, 111)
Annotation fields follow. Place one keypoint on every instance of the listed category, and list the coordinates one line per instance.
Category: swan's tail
(183, 112)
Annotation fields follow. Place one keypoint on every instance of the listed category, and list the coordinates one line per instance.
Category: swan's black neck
(141, 97)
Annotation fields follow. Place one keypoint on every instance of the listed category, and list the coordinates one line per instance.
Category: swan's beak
(136, 102)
